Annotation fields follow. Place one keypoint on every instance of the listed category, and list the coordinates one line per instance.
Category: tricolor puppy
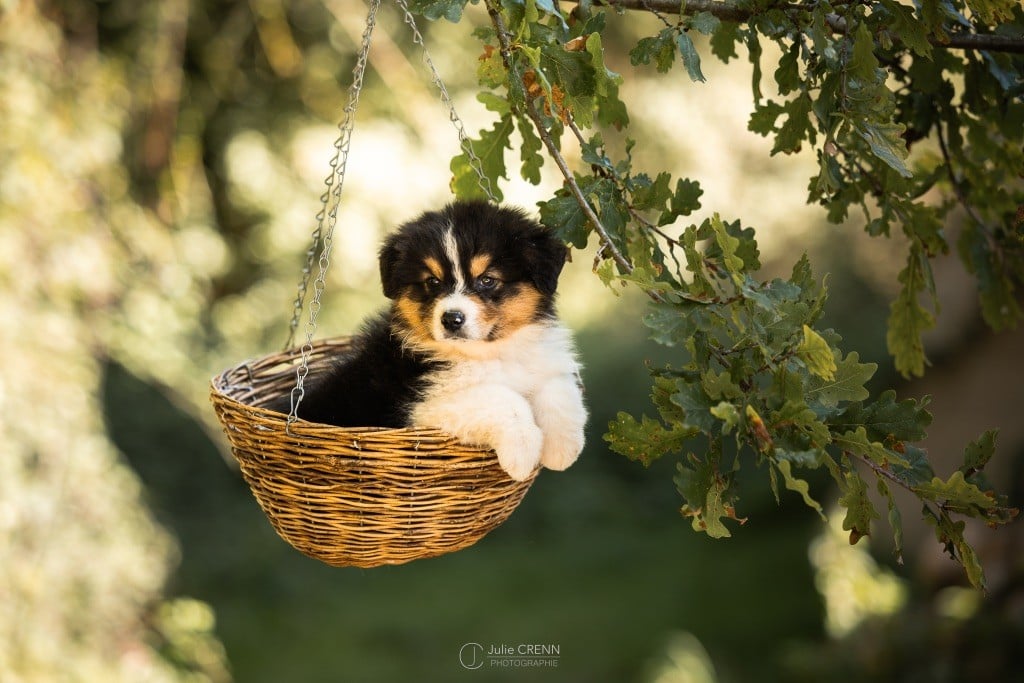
(470, 344)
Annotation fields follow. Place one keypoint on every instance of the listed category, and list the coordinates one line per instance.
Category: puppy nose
(452, 320)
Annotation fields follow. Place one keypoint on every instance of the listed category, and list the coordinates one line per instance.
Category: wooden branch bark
(727, 11)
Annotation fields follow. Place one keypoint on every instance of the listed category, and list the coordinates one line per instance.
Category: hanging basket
(363, 496)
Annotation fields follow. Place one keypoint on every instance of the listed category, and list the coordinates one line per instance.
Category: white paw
(519, 452)
(561, 450)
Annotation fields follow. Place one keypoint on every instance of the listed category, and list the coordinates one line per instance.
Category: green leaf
(668, 324)
(606, 272)
(592, 152)
(762, 120)
(846, 385)
(574, 73)
(863, 64)
(951, 535)
(886, 419)
(908, 28)
(996, 289)
(754, 50)
(724, 39)
(788, 74)
(895, 520)
(798, 485)
(549, 7)
(611, 207)
(956, 493)
(435, 9)
(720, 385)
(690, 57)
(499, 105)
(859, 510)
(727, 413)
(489, 148)
(856, 441)
(979, 452)
(696, 405)
(705, 22)
(701, 285)
(728, 244)
(651, 195)
(706, 491)
(797, 415)
(817, 355)
(887, 143)
(611, 111)
(908, 319)
(917, 469)
(661, 397)
(810, 459)
(530, 153)
(660, 49)
(564, 216)
(747, 249)
(605, 79)
(490, 69)
(992, 11)
(647, 440)
(685, 200)
(798, 127)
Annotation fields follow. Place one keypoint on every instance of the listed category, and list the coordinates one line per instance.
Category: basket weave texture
(362, 496)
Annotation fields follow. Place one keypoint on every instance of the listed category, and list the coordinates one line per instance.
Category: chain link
(435, 76)
(327, 217)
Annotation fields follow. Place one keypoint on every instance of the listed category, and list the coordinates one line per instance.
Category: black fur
(525, 249)
(376, 383)
(373, 385)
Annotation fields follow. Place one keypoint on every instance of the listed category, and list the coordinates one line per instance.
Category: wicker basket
(359, 497)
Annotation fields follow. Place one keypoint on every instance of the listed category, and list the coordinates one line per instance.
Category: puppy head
(470, 273)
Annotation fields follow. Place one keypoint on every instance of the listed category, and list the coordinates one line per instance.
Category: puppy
(470, 344)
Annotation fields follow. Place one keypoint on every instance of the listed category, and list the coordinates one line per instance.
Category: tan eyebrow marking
(478, 266)
(434, 266)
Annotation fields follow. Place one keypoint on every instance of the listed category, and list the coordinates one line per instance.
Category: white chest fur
(519, 395)
(522, 361)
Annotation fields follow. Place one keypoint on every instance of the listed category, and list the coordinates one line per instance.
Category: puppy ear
(546, 256)
(390, 255)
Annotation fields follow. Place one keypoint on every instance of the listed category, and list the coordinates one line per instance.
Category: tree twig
(505, 48)
(672, 243)
(886, 474)
(958, 188)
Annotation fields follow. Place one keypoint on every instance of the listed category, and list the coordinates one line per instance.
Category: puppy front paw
(561, 449)
(562, 416)
(519, 452)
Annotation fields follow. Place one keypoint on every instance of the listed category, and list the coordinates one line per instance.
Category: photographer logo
(509, 656)
(471, 656)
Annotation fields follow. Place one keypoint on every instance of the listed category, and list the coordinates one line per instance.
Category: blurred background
(161, 168)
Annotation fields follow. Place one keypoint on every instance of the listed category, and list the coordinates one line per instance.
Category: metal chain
(464, 142)
(328, 217)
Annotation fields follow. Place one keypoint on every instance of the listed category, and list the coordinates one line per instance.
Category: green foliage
(756, 381)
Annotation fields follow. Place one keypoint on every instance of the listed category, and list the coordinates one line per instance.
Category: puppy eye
(486, 282)
(432, 282)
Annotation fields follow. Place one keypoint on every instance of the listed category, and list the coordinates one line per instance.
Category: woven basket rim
(220, 386)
